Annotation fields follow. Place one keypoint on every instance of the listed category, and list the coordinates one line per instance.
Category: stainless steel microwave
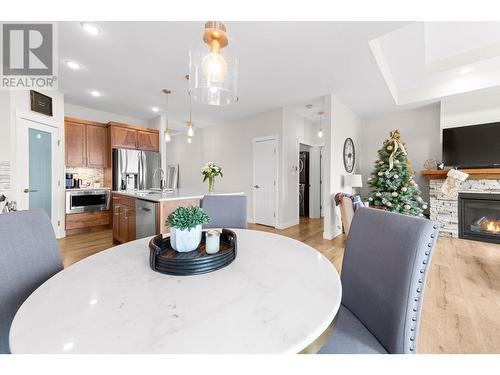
(87, 200)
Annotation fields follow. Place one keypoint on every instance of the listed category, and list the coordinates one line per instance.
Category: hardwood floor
(461, 312)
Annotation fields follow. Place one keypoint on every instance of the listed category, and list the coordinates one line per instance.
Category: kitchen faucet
(162, 178)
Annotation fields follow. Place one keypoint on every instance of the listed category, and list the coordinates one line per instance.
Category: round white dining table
(278, 296)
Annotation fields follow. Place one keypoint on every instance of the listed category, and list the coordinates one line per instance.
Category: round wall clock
(349, 155)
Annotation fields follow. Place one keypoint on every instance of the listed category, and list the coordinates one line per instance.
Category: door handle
(29, 191)
(256, 186)
(146, 209)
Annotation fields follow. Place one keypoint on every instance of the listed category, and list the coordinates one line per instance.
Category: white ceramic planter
(185, 240)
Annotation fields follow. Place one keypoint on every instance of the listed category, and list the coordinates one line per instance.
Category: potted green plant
(185, 228)
(209, 172)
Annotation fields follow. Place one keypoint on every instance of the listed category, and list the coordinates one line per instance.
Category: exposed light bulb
(155, 109)
(214, 66)
(320, 133)
(190, 131)
(189, 140)
(95, 93)
(167, 136)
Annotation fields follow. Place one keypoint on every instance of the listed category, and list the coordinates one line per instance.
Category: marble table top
(278, 296)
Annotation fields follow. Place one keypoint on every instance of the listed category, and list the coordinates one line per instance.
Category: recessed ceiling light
(155, 109)
(464, 70)
(90, 28)
(95, 93)
(72, 64)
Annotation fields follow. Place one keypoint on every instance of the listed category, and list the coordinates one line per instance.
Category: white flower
(388, 204)
(380, 173)
(378, 194)
(421, 215)
(419, 199)
(389, 147)
(407, 206)
(404, 189)
(370, 199)
(394, 194)
(424, 206)
(381, 162)
(396, 161)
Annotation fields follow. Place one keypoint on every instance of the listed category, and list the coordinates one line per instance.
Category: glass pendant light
(213, 67)
(168, 137)
(190, 131)
(320, 132)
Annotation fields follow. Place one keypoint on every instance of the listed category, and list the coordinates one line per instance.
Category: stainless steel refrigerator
(134, 169)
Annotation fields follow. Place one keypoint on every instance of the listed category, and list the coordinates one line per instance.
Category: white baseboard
(287, 224)
(327, 236)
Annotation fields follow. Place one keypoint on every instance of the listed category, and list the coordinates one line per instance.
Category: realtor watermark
(29, 56)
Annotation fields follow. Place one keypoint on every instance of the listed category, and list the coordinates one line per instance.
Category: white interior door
(37, 168)
(265, 181)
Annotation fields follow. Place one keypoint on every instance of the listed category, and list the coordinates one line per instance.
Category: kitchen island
(141, 213)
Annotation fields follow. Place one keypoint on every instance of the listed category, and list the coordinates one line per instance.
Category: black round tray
(164, 259)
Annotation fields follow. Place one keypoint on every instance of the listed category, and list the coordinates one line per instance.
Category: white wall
(344, 124)
(470, 109)
(4, 126)
(419, 130)
(85, 113)
(229, 146)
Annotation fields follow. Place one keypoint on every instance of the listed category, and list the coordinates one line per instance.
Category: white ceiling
(281, 64)
(373, 67)
(426, 61)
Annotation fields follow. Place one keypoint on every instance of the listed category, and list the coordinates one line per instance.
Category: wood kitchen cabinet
(122, 137)
(133, 137)
(123, 218)
(96, 146)
(75, 144)
(86, 143)
(148, 141)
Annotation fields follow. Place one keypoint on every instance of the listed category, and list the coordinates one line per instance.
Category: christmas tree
(392, 183)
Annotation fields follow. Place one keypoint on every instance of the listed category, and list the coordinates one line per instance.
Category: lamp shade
(353, 180)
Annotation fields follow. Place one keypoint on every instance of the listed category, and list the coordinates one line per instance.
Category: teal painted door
(40, 170)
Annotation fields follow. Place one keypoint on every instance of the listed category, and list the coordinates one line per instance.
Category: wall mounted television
(475, 146)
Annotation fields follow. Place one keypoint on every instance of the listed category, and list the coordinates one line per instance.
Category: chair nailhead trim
(419, 290)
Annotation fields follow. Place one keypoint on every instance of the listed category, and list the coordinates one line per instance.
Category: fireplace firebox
(479, 217)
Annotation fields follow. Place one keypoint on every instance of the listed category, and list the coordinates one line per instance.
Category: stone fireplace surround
(445, 210)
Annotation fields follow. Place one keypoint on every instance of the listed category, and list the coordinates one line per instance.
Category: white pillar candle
(213, 242)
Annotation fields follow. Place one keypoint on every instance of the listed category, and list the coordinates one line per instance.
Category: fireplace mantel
(474, 174)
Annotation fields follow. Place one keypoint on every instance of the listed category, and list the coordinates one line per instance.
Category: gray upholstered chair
(386, 259)
(225, 211)
(28, 257)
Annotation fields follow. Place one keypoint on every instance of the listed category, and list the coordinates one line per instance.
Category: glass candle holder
(212, 242)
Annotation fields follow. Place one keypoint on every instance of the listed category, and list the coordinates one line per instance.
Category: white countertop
(278, 296)
(177, 194)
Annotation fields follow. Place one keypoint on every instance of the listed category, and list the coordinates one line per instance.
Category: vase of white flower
(209, 172)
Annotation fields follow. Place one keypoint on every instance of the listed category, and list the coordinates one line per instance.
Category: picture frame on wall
(41, 103)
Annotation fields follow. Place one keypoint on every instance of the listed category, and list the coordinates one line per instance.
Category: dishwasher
(145, 219)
